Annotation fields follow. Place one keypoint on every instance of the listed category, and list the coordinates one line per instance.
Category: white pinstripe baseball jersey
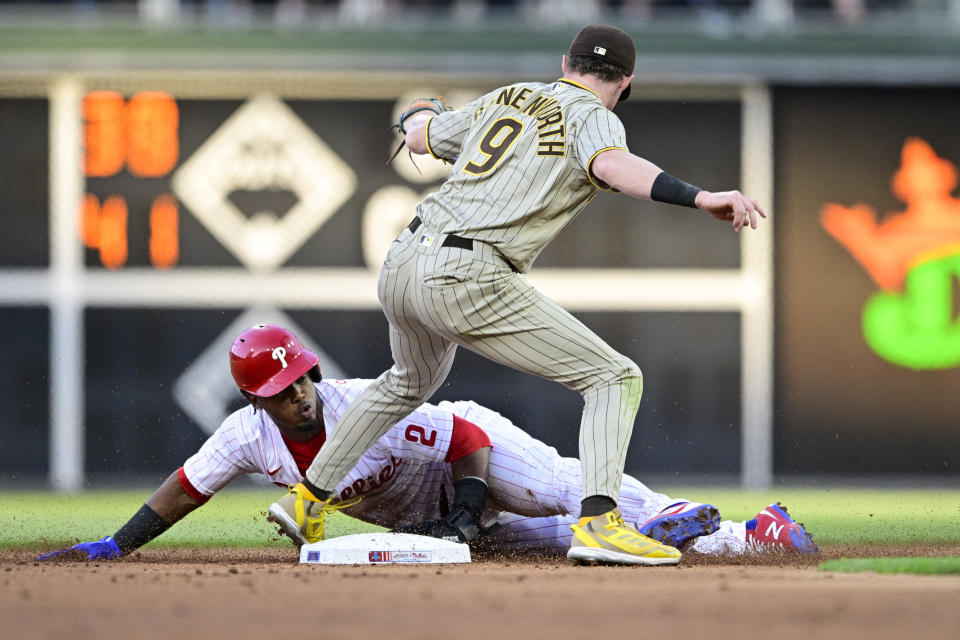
(534, 493)
(399, 477)
(522, 157)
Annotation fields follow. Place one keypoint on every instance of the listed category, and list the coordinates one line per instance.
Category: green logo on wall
(916, 328)
(914, 255)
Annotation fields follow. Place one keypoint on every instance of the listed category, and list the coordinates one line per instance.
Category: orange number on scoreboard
(90, 221)
(153, 120)
(164, 239)
(105, 228)
(104, 134)
(143, 133)
(113, 232)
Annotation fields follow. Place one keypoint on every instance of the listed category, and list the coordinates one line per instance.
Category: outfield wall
(154, 215)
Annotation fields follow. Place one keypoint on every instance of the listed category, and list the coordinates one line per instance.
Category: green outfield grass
(844, 516)
(922, 566)
(33, 519)
(232, 518)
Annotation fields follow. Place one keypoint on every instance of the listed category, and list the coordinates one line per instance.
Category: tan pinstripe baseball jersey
(521, 173)
(523, 170)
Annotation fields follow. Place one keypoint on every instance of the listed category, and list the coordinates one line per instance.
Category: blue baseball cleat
(680, 523)
(773, 528)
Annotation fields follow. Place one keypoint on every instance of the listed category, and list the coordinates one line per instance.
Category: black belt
(449, 241)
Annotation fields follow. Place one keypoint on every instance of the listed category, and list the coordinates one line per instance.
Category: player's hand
(103, 549)
(433, 528)
(434, 106)
(731, 206)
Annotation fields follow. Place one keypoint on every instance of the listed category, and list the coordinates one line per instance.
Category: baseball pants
(525, 525)
(535, 493)
(437, 296)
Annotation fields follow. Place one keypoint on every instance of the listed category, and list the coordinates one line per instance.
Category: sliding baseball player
(455, 469)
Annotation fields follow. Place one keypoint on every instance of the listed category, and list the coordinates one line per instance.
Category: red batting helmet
(266, 359)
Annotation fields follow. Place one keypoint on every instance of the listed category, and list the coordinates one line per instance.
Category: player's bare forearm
(625, 172)
(416, 126)
(166, 506)
(635, 177)
(170, 501)
(475, 465)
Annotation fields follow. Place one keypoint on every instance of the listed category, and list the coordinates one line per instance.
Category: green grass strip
(848, 516)
(237, 517)
(920, 566)
(35, 519)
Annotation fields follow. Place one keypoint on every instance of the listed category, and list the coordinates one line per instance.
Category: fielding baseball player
(429, 474)
(527, 158)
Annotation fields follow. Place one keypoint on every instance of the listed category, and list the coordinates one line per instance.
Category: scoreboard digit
(140, 135)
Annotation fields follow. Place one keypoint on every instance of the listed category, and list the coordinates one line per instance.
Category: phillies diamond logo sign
(264, 148)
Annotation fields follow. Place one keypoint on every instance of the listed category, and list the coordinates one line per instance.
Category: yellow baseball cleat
(301, 515)
(605, 538)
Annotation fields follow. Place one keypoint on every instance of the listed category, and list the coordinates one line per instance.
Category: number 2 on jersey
(494, 146)
(416, 433)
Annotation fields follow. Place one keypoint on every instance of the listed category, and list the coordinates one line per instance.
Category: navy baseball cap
(607, 43)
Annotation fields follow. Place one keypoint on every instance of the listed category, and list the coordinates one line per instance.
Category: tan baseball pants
(437, 297)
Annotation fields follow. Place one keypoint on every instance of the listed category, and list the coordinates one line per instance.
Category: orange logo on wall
(931, 220)
(913, 255)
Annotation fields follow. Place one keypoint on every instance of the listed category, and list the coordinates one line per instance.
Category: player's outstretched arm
(625, 172)
(469, 499)
(640, 178)
(167, 505)
(171, 502)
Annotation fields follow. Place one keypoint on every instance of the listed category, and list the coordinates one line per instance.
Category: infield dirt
(266, 593)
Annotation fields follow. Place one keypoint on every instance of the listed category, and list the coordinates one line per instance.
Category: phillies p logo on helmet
(267, 358)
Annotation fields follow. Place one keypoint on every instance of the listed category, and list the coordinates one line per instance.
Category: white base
(384, 548)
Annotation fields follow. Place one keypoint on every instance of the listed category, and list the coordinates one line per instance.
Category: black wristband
(144, 526)
(672, 190)
(470, 493)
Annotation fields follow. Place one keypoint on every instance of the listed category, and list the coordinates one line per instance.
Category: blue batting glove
(103, 549)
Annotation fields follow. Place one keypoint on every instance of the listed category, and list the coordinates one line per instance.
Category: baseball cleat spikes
(288, 526)
(681, 523)
(301, 516)
(773, 528)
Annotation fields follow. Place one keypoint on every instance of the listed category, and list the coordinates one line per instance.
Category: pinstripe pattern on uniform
(534, 493)
(483, 305)
(518, 195)
(399, 476)
(422, 361)
(508, 321)
(452, 128)
(539, 492)
(528, 199)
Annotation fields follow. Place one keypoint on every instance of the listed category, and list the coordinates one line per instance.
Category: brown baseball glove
(437, 105)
